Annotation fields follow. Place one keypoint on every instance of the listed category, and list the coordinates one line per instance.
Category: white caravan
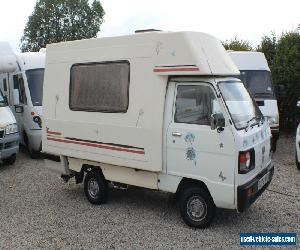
(160, 111)
(9, 137)
(23, 89)
(256, 75)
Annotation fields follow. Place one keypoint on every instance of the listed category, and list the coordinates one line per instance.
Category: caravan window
(101, 87)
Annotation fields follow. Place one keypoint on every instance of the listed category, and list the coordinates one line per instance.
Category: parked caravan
(9, 137)
(157, 110)
(256, 75)
(23, 90)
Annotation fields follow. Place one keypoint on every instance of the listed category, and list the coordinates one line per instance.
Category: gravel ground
(38, 210)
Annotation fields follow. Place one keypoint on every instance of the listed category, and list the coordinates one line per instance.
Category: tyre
(273, 144)
(297, 162)
(197, 208)
(95, 187)
(34, 154)
(11, 160)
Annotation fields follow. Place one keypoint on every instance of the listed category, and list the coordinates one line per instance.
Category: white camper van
(156, 110)
(23, 89)
(256, 75)
(9, 137)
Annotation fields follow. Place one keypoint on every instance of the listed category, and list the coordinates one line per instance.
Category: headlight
(11, 129)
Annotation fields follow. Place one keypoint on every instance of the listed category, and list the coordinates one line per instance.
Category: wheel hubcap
(196, 208)
(93, 188)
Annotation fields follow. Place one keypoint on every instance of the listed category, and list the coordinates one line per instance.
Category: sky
(225, 19)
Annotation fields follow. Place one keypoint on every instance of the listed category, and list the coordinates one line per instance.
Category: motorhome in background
(9, 136)
(23, 89)
(256, 75)
(157, 110)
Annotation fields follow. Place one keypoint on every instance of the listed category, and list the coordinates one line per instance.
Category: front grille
(2, 133)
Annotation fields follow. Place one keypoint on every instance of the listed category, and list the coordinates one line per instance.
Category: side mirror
(298, 104)
(16, 97)
(19, 109)
(217, 121)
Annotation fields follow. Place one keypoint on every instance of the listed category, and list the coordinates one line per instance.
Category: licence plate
(263, 180)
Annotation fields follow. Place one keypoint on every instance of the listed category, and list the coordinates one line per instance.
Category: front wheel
(197, 207)
(297, 162)
(34, 154)
(11, 160)
(95, 187)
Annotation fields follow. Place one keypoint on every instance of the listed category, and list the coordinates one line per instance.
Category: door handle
(178, 134)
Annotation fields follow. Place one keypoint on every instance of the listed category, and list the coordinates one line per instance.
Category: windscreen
(242, 108)
(35, 78)
(259, 83)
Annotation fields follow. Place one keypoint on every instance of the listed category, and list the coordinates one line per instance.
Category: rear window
(100, 87)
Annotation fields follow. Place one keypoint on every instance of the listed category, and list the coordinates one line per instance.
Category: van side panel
(131, 139)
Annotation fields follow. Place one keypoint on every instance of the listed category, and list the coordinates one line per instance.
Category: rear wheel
(95, 187)
(197, 207)
(11, 160)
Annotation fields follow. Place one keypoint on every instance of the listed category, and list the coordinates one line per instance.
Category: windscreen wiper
(248, 123)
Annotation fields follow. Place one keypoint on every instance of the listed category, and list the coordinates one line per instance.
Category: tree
(236, 44)
(61, 20)
(268, 47)
(286, 71)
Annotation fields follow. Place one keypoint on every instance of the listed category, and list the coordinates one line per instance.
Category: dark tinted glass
(258, 82)
(35, 78)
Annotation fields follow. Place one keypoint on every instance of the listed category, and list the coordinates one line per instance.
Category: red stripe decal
(96, 145)
(174, 69)
(52, 132)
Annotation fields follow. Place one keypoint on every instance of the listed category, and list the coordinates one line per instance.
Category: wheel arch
(188, 183)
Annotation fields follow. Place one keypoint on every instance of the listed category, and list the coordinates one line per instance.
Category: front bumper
(248, 193)
(9, 145)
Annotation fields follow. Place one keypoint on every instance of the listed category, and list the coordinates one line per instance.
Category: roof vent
(146, 30)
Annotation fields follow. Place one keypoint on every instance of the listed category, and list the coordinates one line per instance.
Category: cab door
(196, 151)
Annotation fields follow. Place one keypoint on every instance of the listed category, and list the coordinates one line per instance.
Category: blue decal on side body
(190, 151)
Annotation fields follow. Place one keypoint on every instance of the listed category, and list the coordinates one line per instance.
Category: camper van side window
(100, 87)
(195, 104)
